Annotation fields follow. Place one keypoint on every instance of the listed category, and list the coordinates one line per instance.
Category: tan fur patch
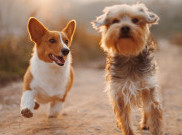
(70, 83)
(69, 30)
(27, 80)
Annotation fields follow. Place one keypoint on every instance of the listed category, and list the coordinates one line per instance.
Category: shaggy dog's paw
(144, 127)
(118, 125)
(26, 113)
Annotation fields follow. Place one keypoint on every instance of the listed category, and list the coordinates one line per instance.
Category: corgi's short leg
(36, 106)
(55, 108)
(27, 103)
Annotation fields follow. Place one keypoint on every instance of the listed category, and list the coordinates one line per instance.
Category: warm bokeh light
(87, 110)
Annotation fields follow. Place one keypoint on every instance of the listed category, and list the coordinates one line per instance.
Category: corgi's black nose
(65, 51)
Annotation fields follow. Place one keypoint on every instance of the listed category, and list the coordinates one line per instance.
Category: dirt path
(87, 110)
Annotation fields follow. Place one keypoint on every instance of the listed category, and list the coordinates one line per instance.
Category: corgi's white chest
(49, 79)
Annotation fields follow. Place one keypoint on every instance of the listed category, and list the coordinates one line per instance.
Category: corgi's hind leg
(55, 108)
(37, 105)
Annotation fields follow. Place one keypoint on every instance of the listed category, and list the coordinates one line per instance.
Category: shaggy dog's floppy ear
(100, 20)
(150, 17)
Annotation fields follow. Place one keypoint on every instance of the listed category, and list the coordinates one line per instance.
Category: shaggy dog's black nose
(65, 51)
(125, 29)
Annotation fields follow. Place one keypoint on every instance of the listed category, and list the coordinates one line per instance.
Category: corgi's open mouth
(57, 59)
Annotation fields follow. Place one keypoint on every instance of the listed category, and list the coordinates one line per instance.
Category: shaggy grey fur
(133, 67)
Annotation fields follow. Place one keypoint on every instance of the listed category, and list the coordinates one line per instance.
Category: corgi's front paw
(26, 113)
(53, 114)
(55, 109)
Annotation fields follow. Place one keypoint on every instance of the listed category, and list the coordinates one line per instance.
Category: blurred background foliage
(16, 47)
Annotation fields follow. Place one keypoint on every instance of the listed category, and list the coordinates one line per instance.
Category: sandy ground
(87, 110)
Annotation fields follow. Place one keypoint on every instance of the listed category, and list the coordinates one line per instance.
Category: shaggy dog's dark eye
(66, 41)
(135, 20)
(115, 21)
(52, 40)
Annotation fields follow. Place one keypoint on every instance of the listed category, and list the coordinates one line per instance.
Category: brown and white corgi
(49, 77)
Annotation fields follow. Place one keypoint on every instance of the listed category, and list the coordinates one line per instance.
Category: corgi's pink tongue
(58, 59)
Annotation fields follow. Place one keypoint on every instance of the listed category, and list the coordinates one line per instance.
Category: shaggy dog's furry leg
(152, 112)
(122, 113)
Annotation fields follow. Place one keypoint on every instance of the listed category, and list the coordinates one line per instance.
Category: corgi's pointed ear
(36, 29)
(70, 28)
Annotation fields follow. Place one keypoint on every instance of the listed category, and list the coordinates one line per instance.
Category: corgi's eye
(66, 41)
(52, 40)
(135, 20)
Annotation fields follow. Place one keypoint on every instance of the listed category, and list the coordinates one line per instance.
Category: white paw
(55, 109)
(53, 115)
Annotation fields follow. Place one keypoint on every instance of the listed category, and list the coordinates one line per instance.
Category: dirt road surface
(87, 109)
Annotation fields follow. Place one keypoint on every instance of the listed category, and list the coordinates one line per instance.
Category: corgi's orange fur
(49, 77)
